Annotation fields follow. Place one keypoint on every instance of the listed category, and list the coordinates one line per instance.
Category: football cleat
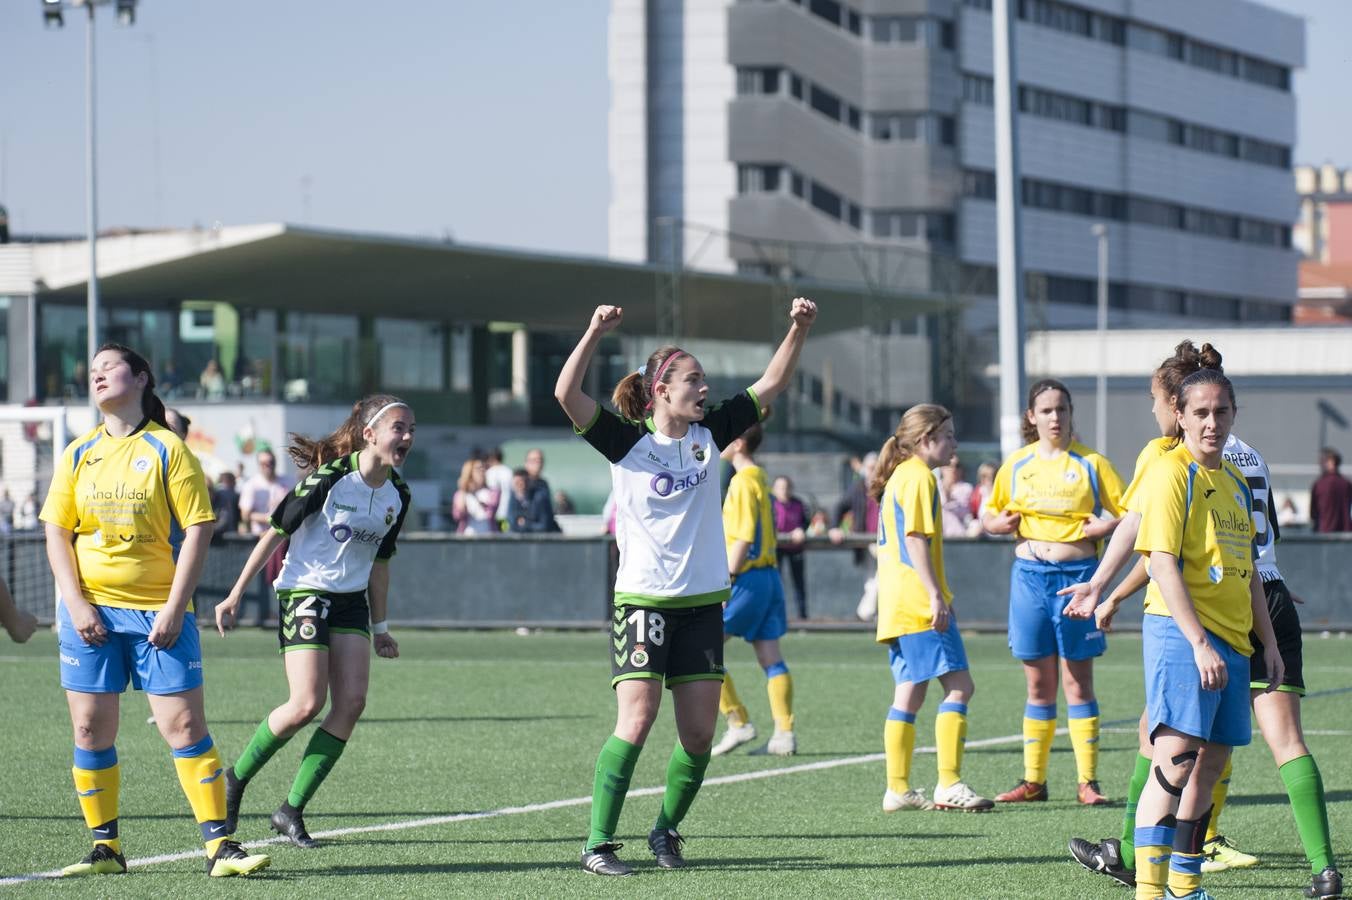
(911, 799)
(1091, 795)
(665, 844)
(1024, 792)
(601, 860)
(734, 737)
(231, 860)
(1327, 885)
(1222, 855)
(1104, 859)
(104, 860)
(289, 824)
(958, 796)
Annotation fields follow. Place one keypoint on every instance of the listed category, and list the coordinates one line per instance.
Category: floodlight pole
(1100, 231)
(91, 206)
(1009, 256)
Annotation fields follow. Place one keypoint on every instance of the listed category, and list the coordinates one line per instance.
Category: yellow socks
(1154, 844)
(1185, 863)
(1219, 793)
(729, 704)
(780, 688)
(1039, 727)
(950, 736)
(1084, 738)
(898, 747)
(201, 775)
(97, 779)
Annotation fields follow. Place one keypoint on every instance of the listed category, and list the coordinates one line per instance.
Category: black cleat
(231, 860)
(601, 860)
(1327, 885)
(1104, 859)
(665, 844)
(287, 822)
(234, 793)
(104, 860)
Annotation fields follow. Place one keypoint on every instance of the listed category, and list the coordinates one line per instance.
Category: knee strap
(1187, 756)
(1164, 783)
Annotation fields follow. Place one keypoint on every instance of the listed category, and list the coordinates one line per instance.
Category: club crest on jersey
(639, 657)
(142, 464)
(1072, 476)
(389, 515)
(1239, 501)
(308, 631)
(699, 452)
(1215, 573)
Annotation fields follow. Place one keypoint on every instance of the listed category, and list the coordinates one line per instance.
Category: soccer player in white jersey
(1278, 712)
(663, 449)
(343, 519)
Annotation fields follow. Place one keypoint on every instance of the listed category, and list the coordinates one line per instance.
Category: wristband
(380, 628)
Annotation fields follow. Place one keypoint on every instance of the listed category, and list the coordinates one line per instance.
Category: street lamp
(52, 17)
(1100, 231)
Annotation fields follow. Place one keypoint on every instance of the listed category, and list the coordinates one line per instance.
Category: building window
(757, 80)
(755, 178)
(412, 355)
(979, 184)
(978, 89)
(824, 102)
(826, 200)
(319, 357)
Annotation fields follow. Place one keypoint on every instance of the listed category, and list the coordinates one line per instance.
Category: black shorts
(307, 618)
(1286, 625)
(673, 645)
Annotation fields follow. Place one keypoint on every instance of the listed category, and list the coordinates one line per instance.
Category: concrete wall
(499, 582)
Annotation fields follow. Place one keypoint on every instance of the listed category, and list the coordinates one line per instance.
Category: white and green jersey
(668, 509)
(338, 525)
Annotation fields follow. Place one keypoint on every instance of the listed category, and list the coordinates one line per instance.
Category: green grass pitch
(503, 725)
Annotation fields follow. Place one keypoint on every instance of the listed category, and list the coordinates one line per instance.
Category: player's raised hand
(803, 312)
(606, 318)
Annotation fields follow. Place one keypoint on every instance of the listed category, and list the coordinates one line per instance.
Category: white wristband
(380, 627)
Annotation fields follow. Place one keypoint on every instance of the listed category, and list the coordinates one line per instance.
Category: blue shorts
(128, 656)
(1036, 628)
(927, 654)
(755, 610)
(1173, 687)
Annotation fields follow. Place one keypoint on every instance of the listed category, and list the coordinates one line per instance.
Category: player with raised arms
(1278, 712)
(128, 519)
(1059, 498)
(342, 519)
(663, 448)
(915, 614)
(755, 611)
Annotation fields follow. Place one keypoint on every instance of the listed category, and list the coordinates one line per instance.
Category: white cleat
(959, 796)
(782, 743)
(912, 799)
(734, 737)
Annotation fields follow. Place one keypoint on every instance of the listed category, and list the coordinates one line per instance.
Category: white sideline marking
(530, 808)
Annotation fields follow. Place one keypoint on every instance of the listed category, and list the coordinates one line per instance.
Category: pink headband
(657, 379)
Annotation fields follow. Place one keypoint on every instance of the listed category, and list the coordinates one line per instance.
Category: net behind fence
(31, 441)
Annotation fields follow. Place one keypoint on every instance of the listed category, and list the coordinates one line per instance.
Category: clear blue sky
(487, 120)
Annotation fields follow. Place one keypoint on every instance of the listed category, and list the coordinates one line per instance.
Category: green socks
(261, 748)
(685, 774)
(1305, 787)
(614, 768)
(1138, 779)
(322, 752)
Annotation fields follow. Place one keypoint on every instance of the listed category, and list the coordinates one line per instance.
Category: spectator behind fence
(499, 478)
(858, 512)
(791, 521)
(981, 492)
(257, 499)
(225, 504)
(535, 464)
(529, 509)
(957, 499)
(1331, 496)
(211, 383)
(474, 508)
(27, 519)
(6, 512)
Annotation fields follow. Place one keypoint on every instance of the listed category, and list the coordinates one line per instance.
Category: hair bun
(1209, 357)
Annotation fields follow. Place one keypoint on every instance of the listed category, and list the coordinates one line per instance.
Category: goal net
(31, 441)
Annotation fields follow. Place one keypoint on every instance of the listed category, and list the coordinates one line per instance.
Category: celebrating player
(915, 615)
(755, 611)
(343, 519)
(1059, 497)
(128, 520)
(663, 449)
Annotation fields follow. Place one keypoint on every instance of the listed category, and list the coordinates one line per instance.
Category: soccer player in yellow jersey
(915, 615)
(1059, 498)
(755, 610)
(128, 520)
(1205, 595)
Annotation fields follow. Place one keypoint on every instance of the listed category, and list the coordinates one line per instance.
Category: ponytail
(628, 397)
(920, 420)
(152, 407)
(1186, 361)
(309, 454)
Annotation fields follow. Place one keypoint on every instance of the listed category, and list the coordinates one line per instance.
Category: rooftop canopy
(278, 266)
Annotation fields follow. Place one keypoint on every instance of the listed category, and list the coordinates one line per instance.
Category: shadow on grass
(1282, 799)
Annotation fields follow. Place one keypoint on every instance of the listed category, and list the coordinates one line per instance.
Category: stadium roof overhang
(311, 270)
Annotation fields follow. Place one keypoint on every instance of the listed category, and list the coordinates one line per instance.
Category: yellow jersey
(1054, 497)
(128, 501)
(910, 505)
(748, 516)
(1152, 451)
(1204, 517)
